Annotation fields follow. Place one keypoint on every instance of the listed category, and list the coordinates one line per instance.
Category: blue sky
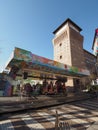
(29, 24)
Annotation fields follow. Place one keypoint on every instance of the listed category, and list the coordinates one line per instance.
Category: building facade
(68, 48)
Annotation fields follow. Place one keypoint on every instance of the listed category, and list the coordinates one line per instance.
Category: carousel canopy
(23, 61)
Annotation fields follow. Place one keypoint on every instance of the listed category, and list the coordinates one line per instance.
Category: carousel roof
(24, 61)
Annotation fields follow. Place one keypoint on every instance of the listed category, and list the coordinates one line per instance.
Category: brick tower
(68, 46)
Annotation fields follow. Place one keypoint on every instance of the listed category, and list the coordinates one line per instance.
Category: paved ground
(80, 115)
(14, 104)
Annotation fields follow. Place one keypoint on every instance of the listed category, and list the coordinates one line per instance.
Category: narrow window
(60, 57)
(60, 44)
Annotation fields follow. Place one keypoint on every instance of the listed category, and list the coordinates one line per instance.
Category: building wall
(77, 53)
(90, 61)
(68, 49)
(61, 44)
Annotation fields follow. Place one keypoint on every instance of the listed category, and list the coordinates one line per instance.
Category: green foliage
(92, 77)
(92, 88)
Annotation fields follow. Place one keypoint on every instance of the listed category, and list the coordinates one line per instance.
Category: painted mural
(96, 43)
(24, 59)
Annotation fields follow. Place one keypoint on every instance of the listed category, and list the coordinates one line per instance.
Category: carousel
(24, 65)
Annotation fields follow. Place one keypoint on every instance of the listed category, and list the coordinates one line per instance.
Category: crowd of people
(47, 87)
(54, 87)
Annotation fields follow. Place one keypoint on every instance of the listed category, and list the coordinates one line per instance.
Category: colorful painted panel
(21, 54)
(25, 59)
(96, 43)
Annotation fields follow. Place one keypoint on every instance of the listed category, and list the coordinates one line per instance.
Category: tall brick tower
(68, 45)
